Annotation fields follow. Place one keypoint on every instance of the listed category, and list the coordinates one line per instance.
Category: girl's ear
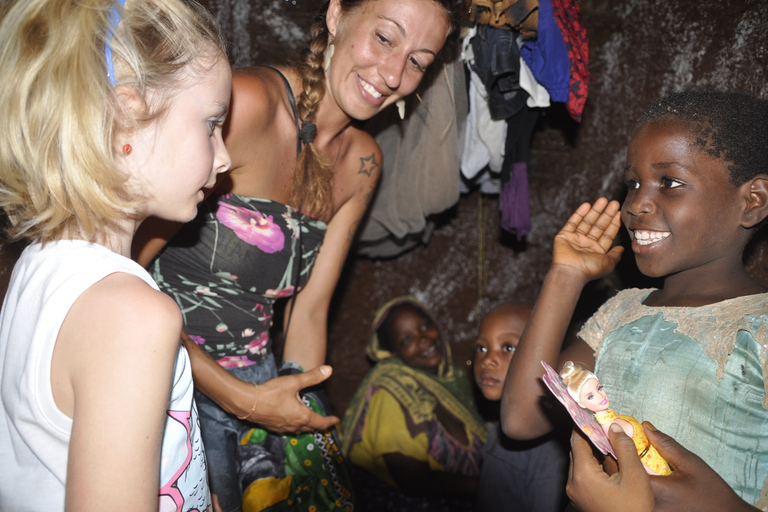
(130, 100)
(757, 202)
(132, 107)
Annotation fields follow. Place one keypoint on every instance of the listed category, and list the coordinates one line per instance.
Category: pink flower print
(222, 327)
(234, 361)
(258, 345)
(292, 224)
(252, 227)
(247, 332)
(199, 340)
(276, 294)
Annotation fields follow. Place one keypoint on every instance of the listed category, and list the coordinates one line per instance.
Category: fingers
(215, 503)
(600, 221)
(313, 377)
(580, 449)
(575, 220)
(582, 458)
(584, 472)
(672, 451)
(319, 422)
(610, 224)
(626, 453)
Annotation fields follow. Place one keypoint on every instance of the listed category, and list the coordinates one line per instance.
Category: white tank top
(34, 433)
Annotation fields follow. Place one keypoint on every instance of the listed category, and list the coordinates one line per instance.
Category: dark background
(639, 50)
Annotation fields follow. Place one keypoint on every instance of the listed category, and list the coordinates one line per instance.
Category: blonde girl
(111, 113)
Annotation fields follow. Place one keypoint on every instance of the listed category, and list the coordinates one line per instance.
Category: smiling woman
(281, 222)
(412, 431)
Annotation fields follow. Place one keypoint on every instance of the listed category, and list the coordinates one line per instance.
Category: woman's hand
(280, 409)
(278, 405)
(592, 490)
(693, 485)
(584, 243)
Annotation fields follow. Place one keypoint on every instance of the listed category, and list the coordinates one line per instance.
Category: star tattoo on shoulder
(368, 165)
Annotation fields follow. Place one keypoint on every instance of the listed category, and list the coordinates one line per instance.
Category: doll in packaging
(584, 389)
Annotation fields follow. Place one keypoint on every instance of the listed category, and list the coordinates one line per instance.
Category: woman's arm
(278, 405)
(111, 372)
(306, 336)
(582, 252)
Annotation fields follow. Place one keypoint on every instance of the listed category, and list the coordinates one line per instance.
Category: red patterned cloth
(568, 16)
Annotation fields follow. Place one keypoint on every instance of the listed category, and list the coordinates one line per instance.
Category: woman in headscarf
(412, 430)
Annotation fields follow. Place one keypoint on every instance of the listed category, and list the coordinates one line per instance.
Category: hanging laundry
(568, 16)
(520, 15)
(514, 205)
(484, 137)
(537, 93)
(497, 63)
(547, 56)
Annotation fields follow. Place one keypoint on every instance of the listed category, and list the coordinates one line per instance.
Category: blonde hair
(574, 377)
(58, 169)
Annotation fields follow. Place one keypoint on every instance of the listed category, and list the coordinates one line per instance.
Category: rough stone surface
(639, 50)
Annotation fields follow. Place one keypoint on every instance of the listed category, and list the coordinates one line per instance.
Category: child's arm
(582, 251)
(111, 373)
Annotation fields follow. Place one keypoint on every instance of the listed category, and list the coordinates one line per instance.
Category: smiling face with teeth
(683, 214)
(414, 337)
(381, 50)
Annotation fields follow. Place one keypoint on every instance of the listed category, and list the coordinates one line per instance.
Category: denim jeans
(222, 432)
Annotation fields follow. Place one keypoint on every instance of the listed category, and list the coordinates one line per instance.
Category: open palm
(584, 243)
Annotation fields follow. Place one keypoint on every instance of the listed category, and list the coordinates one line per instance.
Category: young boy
(529, 475)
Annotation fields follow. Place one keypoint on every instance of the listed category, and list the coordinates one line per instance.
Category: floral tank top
(226, 269)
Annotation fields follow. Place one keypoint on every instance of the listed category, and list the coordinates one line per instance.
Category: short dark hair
(728, 125)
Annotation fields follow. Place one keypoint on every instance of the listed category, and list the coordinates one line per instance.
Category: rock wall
(639, 50)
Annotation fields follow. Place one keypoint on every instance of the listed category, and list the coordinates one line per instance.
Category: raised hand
(584, 244)
(592, 490)
(693, 485)
(280, 409)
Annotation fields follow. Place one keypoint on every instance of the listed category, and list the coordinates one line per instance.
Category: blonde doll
(584, 387)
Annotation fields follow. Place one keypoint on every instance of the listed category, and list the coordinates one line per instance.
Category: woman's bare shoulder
(259, 110)
(255, 91)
